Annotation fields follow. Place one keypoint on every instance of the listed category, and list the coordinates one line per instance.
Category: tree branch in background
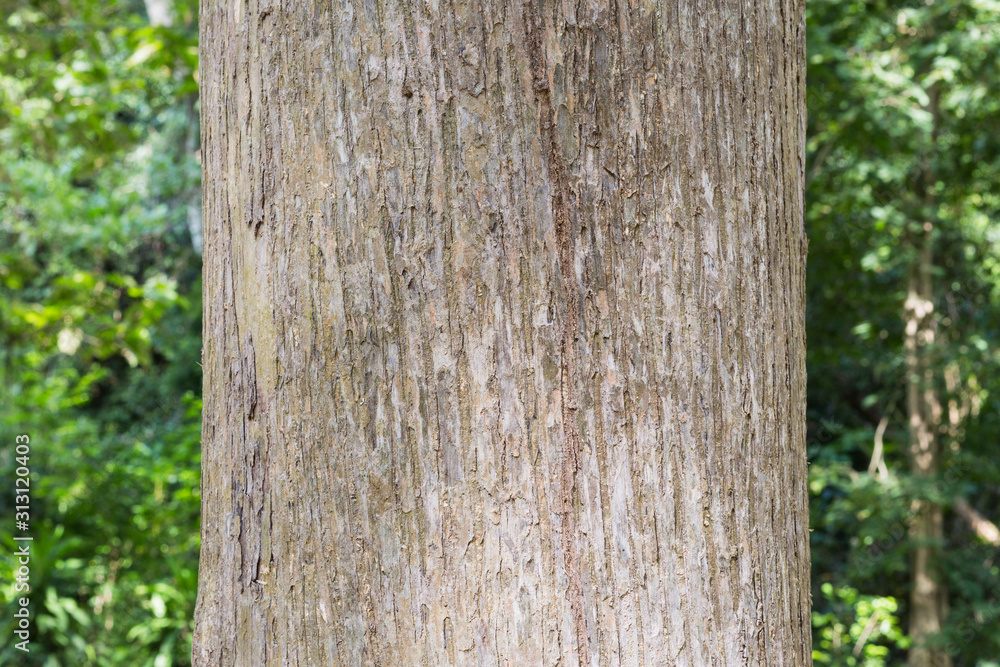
(878, 459)
(984, 529)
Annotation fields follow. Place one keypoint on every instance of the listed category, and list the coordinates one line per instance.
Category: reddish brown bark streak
(561, 207)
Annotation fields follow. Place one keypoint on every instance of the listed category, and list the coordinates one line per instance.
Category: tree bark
(504, 334)
(929, 594)
(929, 591)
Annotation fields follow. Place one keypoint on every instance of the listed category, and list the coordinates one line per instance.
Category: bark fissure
(561, 212)
(517, 372)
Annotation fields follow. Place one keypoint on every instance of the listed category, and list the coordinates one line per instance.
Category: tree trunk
(928, 595)
(504, 334)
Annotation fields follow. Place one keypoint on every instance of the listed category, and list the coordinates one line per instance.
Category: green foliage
(100, 326)
(855, 630)
(903, 130)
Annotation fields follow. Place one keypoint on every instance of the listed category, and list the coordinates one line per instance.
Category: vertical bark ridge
(525, 302)
(565, 243)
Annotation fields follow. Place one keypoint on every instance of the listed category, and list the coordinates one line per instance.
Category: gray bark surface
(504, 334)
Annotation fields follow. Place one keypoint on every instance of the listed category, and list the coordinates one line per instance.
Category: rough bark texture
(504, 339)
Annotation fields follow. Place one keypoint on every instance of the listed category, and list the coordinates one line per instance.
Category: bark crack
(560, 192)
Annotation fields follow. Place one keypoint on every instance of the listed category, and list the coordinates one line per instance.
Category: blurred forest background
(100, 323)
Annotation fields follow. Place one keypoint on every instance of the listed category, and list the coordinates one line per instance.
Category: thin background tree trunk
(504, 339)
(929, 593)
